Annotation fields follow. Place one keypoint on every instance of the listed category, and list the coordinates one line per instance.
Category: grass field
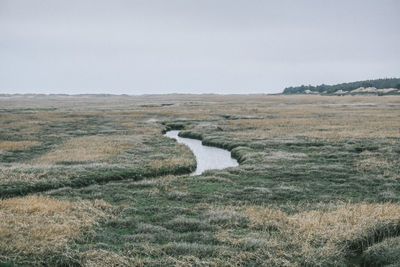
(91, 180)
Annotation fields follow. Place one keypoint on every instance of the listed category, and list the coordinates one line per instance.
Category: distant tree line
(329, 89)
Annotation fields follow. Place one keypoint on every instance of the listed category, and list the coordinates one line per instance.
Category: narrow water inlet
(207, 157)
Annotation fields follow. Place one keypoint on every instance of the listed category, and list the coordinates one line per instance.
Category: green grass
(385, 253)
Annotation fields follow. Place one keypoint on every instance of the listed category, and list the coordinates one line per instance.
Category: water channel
(207, 157)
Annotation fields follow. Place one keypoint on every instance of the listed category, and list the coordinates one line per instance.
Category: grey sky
(187, 46)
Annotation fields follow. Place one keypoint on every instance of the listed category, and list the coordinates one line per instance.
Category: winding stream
(207, 157)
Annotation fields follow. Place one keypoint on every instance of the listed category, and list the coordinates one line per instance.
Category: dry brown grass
(167, 163)
(322, 235)
(319, 121)
(100, 257)
(179, 160)
(331, 233)
(35, 225)
(88, 149)
(31, 174)
(372, 163)
(17, 145)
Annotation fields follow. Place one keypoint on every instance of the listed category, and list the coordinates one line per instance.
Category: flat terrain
(91, 180)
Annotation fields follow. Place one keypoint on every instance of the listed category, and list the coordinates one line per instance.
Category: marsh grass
(313, 237)
(17, 145)
(385, 253)
(317, 183)
(88, 149)
(74, 160)
(37, 227)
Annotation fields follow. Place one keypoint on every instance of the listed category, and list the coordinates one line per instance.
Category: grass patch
(385, 253)
(40, 228)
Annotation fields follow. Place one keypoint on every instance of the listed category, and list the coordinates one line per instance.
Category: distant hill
(389, 86)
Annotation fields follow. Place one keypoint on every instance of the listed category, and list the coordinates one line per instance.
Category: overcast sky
(188, 46)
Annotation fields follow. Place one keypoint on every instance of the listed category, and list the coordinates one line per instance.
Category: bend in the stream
(207, 157)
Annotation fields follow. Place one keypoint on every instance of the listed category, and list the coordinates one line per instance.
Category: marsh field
(91, 180)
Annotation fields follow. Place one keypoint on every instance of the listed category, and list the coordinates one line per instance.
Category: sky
(188, 46)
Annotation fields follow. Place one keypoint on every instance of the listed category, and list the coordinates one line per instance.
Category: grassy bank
(317, 182)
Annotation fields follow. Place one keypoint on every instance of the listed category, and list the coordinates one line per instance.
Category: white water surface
(207, 157)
